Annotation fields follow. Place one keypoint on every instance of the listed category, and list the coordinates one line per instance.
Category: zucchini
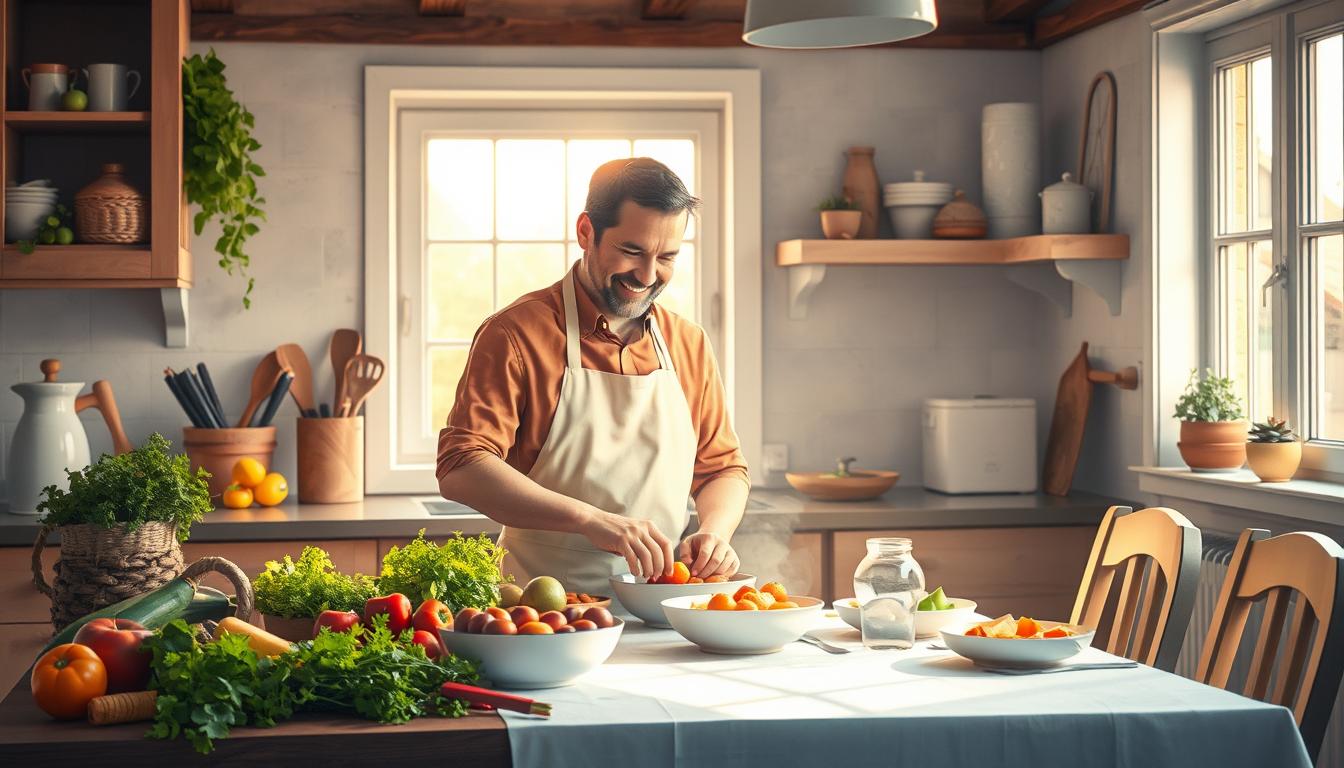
(208, 604)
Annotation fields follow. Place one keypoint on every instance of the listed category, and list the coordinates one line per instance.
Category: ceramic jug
(50, 439)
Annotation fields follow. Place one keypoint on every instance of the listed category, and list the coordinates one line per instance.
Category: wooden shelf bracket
(803, 282)
(175, 331)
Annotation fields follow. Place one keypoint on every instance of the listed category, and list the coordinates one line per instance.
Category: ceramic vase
(1010, 168)
(861, 187)
(1274, 462)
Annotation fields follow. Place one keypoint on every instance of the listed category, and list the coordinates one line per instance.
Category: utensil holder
(331, 460)
(217, 450)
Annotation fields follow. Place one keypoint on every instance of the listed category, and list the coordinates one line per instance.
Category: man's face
(635, 260)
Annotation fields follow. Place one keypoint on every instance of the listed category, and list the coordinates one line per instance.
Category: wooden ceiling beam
(443, 7)
(667, 9)
(1080, 16)
(1012, 10)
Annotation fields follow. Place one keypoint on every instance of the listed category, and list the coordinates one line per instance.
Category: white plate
(927, 623)
(1023, 653)
(645, 600)
(741, 632)
(534, 661)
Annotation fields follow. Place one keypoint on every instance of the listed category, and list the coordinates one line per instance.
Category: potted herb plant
(291, 593)
(1213, 432)
(1273, 451)
(840, 218)
(122, 522)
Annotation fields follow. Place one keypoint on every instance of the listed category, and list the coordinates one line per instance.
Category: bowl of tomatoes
(523, 649)
(645, 598)
(746, 621)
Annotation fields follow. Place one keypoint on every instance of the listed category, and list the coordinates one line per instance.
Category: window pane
(445, 370)
(461, 185)
(1328, 253)
(679, 295)
(525, 267)
(1261, 402)
(1260, 162)
(679, 155)
(530, 179)
(1235, 319)
(1232, 142)
(1246, 331)
(585, 155)
(1326, 197)
(459, 290)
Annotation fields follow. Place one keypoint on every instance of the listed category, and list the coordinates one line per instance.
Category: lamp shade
(836, 23)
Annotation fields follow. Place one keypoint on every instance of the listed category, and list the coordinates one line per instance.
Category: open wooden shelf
(1047, 264)
(76, 121)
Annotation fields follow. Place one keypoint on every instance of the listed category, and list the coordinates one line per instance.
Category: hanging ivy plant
(218, 173)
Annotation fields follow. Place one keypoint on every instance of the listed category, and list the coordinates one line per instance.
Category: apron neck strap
(572, 357)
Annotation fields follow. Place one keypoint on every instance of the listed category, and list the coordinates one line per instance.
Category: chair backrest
(1153, 610)
(1310, 567)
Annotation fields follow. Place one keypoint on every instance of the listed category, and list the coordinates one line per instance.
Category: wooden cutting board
(1070, 420)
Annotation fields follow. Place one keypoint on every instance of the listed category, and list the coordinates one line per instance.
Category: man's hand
(643, 546)
(709, 555)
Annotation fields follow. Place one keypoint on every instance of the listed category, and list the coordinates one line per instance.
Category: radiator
(1217, 554)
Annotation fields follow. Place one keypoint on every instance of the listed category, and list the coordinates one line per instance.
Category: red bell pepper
(336, 621)
(430, 641)
(431, 616)
(397, 608)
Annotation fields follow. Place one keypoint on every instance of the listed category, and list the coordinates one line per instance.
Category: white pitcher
(50, 439)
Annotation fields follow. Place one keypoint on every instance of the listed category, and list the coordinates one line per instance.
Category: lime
(65, 236)
(75, 100)
(46, 237)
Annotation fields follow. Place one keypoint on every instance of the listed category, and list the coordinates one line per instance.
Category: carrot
(122, 707)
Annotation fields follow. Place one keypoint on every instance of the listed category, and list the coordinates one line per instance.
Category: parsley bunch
(306, 587)
(462, 573)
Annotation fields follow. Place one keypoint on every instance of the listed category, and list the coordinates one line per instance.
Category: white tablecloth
(660, 701)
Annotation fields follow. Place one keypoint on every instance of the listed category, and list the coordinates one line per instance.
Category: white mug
(46, 83)
(107, 86)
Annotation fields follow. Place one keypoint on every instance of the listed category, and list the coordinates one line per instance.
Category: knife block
(331, 460)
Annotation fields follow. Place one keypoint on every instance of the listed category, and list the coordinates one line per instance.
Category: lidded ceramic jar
(960, 219)
(1066, 208)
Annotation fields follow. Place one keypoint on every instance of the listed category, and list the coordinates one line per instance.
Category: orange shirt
(509, 390)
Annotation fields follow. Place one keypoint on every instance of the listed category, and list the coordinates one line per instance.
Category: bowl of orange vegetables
(1018, 642)
(747, 621)
(644, 598)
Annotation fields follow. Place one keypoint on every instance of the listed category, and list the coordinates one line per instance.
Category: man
(587, 414)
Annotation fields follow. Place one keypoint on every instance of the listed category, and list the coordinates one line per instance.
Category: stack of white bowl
(913, 204)
(26, 205)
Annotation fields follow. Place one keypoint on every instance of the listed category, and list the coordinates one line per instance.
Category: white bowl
(534, 661)
(1017, 652)
(913, 222)
(645, 600)
(741, 631)
(927, 623)
(23, 218)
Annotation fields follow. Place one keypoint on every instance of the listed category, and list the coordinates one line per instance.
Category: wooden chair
(1153, 611)
(1311, 567)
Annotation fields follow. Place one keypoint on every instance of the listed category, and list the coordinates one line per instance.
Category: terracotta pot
(217, 450)
(1193, 432)
(293, 630)
(861, 186)
(1274, 462)
(841, 225)
(1213, 445)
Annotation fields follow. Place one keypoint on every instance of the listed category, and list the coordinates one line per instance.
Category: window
(1276, 228)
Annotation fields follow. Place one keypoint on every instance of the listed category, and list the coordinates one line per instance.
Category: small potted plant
(1213, 432)
(291, 593)
(1273, 451)
(840, 218)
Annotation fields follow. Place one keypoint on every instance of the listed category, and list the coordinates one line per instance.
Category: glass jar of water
(888, 583)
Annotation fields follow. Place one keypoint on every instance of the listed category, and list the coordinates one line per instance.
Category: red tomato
(501, 627)
(554, 619)
(336, 621)
(66, 678)
(431, 616)
(464, 618)
(522, 614)
(397, 608)
(430, 641)
(117, 643)
(478, 622)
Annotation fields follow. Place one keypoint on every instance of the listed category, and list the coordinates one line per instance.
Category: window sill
(1313, 500)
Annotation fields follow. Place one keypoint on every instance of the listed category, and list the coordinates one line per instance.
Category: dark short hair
(646, 181)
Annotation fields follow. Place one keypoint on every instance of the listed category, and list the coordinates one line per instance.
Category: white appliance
(980, 445)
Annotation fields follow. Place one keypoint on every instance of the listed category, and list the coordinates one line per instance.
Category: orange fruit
(680, 574)
(1056, 632)
(747, 605)
(721, 602)
(775, 590)
(1027, 627)
(718, 579)
(695, 580)
(237, 497)
(536, 628)
(248, 472)
(762, 601)
(271, 490)
(783, 604)
(742, 590)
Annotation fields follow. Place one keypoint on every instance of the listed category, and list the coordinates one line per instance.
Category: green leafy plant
(1271, 431)
(218, 173)
(837, 203)
(1211, 398)
(462, 573)
(146, 484)
(303, 588)
(55, 229)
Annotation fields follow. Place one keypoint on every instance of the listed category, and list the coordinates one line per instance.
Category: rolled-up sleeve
(489, 403)
(718, 451)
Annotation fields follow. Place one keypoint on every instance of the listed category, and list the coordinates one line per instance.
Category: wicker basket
(101, 566)
(110, 210)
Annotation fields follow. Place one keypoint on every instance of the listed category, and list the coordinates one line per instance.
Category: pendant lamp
(836, 23)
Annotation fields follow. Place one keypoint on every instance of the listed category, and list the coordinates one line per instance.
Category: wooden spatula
(345, 344)
(1070, 420)
(362, 374)
(263, 381)
(293, 357)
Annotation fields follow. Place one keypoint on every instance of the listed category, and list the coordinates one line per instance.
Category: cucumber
(209, 604)
(152, 609)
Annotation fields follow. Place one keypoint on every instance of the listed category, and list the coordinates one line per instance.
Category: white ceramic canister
(1010, 167)
(48, 440)
(1066, 208)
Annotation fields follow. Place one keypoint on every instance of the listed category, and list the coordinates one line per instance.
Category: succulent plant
(837, 203)
(1271, 431)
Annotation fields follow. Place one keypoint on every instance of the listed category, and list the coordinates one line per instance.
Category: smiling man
(587, 413)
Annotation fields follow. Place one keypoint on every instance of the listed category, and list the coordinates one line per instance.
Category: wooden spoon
(293, 357)
(362, 374)
(263, 381)
(345, 344)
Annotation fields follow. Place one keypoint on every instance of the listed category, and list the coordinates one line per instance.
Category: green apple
(75, 100)
(65, 236)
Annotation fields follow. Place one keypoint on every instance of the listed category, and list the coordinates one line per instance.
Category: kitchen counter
(768, 510)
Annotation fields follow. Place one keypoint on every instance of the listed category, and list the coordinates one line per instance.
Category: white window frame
(734, 94)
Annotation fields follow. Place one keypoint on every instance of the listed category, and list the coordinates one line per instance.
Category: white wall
(847, 380)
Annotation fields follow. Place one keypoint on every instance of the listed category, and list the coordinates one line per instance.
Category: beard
(623, 306)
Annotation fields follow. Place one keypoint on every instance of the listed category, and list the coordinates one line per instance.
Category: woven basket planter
(100, 566)
(111, 211)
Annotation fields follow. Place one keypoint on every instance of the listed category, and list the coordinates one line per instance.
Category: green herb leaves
(304, 588)
(133, 488)
(218, 173)
(462, 573)
(1212, 398)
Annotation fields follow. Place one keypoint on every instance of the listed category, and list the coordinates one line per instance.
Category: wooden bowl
(602, 602)
(857, 486)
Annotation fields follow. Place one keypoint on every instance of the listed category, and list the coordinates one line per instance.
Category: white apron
(624, 444)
